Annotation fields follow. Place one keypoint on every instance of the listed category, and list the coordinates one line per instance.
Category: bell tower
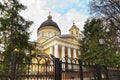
(74, 30)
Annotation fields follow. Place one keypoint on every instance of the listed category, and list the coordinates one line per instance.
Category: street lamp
(15, 50)
(102, 42)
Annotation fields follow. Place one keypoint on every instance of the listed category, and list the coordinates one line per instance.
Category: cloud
(63, 13)
(63, 6)
(66, 21)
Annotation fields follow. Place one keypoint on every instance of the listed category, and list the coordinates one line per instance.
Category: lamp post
(14, 64)
(101, 41)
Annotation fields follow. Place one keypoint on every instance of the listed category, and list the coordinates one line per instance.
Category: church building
(52, 42)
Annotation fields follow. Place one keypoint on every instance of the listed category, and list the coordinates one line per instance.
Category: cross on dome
(49, 17)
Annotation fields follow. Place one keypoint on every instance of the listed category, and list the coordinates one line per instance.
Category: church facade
(52, 42)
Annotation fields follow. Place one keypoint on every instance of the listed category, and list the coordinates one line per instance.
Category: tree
(13, 28)
(108, 8)
(109, 11)
(14, 33)
(90, 47)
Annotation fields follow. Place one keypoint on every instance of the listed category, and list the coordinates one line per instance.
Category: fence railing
(44, 68)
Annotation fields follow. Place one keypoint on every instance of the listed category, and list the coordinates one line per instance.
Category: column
(56, 51)
(75, 54)
(51, 50)
(63, 55)
(69, 52)
(69, 55)
(63, 51)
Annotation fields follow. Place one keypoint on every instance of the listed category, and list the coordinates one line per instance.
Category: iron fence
(39, 68)
(44, 68)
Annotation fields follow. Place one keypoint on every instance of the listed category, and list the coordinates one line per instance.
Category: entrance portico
(60, 48)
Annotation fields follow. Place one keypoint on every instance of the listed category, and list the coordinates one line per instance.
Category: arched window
(49, 33)
(72, 32)
(76, 33)
(43, 34)
(55, 33)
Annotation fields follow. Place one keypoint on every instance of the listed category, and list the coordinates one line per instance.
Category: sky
(63, 12)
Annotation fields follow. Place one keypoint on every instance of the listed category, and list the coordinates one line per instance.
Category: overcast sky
(63, 13)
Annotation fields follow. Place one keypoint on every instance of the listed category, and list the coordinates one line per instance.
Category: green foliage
(90, 41)
(90, 47)
(13, 27)
(108, 11)
(14, 33)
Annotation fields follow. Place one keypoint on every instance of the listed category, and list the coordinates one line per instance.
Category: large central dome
(49, 22)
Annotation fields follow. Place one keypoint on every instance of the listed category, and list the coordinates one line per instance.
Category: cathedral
(52, 42)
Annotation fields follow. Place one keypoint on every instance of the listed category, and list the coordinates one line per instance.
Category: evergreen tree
(90, 47)
(13, 29)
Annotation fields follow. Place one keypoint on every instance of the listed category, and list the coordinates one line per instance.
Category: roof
(74, 26)
(49, 22)
(68, 35)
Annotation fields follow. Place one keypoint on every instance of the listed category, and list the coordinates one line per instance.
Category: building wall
(46, 33)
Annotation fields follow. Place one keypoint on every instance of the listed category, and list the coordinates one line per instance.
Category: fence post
(57, 69)
(81, 70)
(98, 71)
(106, 72)
(13, 71)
